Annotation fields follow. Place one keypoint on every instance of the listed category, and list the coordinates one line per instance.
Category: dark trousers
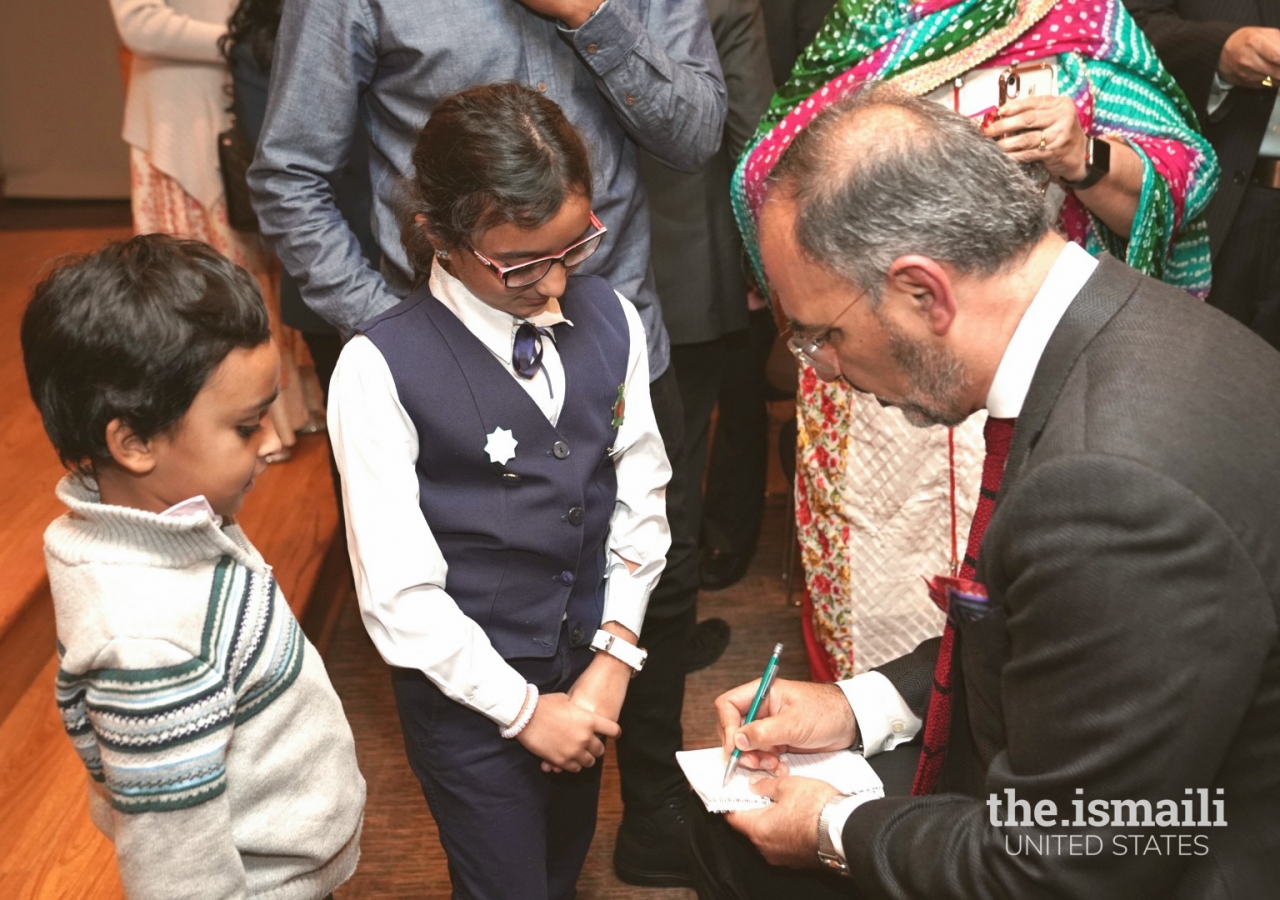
(1246, 272)
(325, 346)
(727, 866)
(650, 719)
(510, 831)
(699, 372)
(734, 501)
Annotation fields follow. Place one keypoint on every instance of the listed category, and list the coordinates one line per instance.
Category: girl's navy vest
(524, 541)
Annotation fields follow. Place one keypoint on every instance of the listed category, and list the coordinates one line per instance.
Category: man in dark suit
(1225, 55)
(1112, 667)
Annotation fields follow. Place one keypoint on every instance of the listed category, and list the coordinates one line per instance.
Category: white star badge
(501, 446)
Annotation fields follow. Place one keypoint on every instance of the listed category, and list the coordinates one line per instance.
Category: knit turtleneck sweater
(223, 764)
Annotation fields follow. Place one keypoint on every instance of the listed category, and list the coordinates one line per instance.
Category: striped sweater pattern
(158, 737)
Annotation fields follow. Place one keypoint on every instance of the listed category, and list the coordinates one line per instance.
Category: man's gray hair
(871, 188)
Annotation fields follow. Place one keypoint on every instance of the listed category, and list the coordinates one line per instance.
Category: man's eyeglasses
(813, 350)
(528, 273)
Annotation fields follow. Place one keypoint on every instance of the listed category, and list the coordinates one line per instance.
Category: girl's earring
(442, 254)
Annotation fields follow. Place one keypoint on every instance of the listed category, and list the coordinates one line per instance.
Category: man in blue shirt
(628, 74)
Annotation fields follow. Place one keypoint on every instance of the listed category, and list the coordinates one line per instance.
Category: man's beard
(937, 377)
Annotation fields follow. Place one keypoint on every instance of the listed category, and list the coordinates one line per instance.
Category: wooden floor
(49, 850)
(27, 462)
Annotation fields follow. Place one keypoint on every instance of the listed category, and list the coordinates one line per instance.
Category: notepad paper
(844, 770)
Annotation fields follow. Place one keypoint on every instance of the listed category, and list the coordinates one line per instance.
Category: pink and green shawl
(1107, 67)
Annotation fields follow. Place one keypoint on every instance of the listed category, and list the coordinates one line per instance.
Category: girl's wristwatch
(621, 649)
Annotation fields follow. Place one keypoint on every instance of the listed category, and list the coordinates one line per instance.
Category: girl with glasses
(504, 483)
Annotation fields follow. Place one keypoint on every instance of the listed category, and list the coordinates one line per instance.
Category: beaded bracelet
(526, 713)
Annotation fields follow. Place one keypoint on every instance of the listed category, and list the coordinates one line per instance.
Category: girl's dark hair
(254, 22)
(132, 332)
(490, 155)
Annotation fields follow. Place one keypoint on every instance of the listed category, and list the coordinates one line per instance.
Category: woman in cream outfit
(175, 106)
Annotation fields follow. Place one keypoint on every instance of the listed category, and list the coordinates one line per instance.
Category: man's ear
(129, 451)
(929, 285)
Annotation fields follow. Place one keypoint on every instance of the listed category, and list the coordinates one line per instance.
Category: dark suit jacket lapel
(1102, 296)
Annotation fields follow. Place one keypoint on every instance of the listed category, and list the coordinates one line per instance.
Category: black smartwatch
(1097, 163)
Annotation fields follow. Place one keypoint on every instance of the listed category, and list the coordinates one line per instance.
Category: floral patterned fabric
(873, 510)
(160, 205)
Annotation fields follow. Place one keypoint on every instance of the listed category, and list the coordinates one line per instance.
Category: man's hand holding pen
(794, 715)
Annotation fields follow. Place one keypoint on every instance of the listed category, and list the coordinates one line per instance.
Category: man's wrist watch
(621, 649)
(827, 854)
(1097, 163)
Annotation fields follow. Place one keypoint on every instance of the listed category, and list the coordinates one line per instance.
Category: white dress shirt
(399, 569)
(884, 719)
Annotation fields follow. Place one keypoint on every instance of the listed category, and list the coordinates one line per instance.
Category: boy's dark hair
(487, 156)
(132, 332)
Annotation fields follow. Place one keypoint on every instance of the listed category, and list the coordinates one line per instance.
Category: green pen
(766, 680)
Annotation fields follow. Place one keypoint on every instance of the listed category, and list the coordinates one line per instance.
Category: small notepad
(844, 770)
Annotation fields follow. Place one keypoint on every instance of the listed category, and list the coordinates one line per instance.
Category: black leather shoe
(718, 569)
(652, 849)
(706, 645)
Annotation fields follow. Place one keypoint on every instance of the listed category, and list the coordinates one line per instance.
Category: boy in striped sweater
(220, 761)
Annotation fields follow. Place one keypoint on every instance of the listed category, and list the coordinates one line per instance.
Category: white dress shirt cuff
(840, 814)
(1218, 91)
(883, 717)
(626, 596)
(501, 696)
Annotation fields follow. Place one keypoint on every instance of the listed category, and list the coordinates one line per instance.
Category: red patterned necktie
(997, 435)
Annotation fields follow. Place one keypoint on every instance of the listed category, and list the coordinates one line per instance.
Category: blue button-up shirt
(639, 72)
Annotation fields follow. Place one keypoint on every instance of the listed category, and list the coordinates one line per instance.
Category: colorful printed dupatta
(1108, 68)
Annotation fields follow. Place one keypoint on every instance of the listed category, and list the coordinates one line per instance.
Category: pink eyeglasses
(528, 273)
